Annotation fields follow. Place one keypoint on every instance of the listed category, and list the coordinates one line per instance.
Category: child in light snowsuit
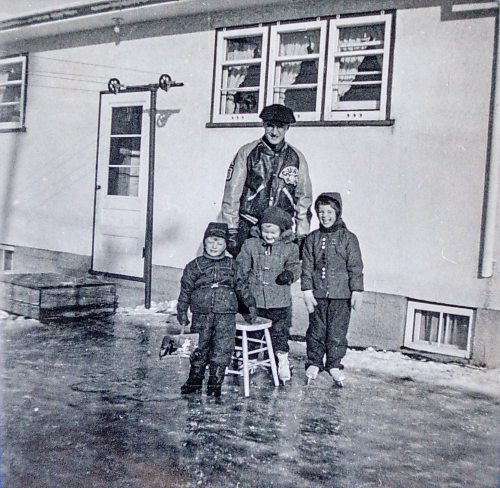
(332, 281)
(269, 262)
(208, 287)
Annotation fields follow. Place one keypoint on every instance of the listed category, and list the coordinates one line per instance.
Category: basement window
(6, 259)
(439, 328)
(12, 92)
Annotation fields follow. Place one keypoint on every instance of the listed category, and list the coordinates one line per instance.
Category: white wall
(413, 192)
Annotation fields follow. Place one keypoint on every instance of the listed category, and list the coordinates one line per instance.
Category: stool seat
(243, 355)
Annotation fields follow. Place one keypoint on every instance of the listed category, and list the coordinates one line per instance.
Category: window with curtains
(439, 328)
(12, 92)
(327, 70)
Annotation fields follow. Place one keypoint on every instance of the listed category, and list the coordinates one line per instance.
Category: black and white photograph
(249, 243)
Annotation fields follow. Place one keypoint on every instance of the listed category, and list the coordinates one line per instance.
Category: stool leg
(272, 360)
(246, 373)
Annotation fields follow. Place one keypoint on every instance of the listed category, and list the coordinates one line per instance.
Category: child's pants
(216, 343)
(327, 333)
(280, 330)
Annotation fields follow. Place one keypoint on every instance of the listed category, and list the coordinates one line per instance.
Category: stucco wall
(413, 192)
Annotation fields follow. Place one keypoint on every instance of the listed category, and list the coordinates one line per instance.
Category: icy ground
(92, 405)
(465, 377)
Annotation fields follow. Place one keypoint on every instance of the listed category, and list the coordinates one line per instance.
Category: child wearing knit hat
(269, 262)
(209, 288)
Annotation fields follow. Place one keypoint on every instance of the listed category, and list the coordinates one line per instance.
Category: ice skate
(311, 373)
(337, 376)
(284, 373)
(194, 382)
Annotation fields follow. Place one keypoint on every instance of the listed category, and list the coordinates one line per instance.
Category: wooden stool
(250, 359)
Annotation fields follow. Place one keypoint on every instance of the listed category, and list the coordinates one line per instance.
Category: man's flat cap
(277, 113)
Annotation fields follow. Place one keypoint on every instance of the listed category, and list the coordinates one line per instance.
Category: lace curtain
(294, 44)
(237, 74)
(350, 40)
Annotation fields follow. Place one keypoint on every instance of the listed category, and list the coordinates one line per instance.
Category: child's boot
(283, 367)
(215, 380)
(194, 382)
(338, 376)
(311, 373)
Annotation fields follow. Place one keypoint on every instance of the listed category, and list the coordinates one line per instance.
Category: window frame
(414, 306)
(23, 82)
(274, 59)
(3, 252)
(323, 116)
(333, 69)
(220, 62)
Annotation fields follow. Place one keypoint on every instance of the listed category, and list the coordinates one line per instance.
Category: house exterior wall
(413, 192)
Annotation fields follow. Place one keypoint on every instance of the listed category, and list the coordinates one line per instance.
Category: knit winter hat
(331, 198)
(276, 216)
(216, 229)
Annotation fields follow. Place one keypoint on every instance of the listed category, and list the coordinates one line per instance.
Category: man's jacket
(259, 177)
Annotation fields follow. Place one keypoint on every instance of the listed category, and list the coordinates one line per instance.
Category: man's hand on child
(310, 300)
(356, 300)
(285, 278)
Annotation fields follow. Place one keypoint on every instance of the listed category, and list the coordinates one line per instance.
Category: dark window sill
(330, 123)
(17, 129)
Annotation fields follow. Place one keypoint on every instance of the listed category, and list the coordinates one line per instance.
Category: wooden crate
(53, 297)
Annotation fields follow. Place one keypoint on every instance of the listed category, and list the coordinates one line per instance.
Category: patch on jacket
(290, 175)
(230, 171)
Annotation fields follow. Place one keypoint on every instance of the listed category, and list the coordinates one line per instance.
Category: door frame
(148, 241)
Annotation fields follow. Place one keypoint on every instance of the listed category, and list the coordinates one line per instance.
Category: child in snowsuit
(208, 287)
(332, 281)
(269, 262)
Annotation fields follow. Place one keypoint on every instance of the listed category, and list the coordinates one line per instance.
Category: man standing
(265, 173)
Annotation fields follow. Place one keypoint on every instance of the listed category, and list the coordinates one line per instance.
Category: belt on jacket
(216, 285)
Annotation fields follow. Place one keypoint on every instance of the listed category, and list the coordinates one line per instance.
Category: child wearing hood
(332, 282)
(269, 262)
(209, 288)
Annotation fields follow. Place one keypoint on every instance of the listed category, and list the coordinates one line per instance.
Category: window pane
(297, 43)
(428, 329)
(10, 113)
(244, 48)
(7, 262)
(455, 331)
(239, 101)
(125, 151)
(360, 75)
(360, 78)
(303, 100)
(126, 120)
(11, 72)
(123, 181)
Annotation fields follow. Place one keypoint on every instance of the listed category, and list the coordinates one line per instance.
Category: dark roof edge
(78, 11)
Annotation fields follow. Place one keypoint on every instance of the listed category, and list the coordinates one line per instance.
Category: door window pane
(126, 120)
(125, 151)
(123, 181)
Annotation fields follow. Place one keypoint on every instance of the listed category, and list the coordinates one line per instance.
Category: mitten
(182, 317)
(285, 278)
(356, 300)
(310, 300)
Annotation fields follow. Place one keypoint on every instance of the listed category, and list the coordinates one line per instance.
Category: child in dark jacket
(269, 262)
(208, 287)
(332, 281)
